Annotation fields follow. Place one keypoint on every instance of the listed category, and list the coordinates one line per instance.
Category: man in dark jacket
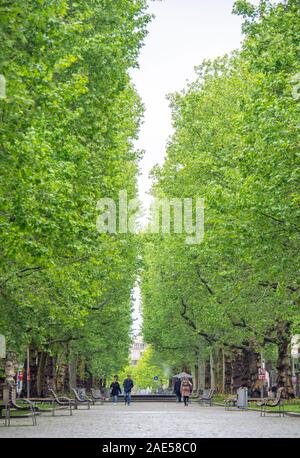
(177, 386)
(115, 389)
(128, 385)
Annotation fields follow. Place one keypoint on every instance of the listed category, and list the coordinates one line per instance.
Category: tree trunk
(284, 362)
(207, 374)
(72, 371)
(62, 370)
(212, 369)
(254, 364)
(223, 370)
(41, 373)
(186, 368)
(245, 365)
(239, 371)
(89, 379)
(218, 357)
(80, 381)
(227, 374)
(33, 361)
(201, 375)
(50, 380)
(196, 378)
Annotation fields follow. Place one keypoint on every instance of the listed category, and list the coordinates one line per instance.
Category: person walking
(185, 390)
(128, 385)
(115, 389)
(177, 386)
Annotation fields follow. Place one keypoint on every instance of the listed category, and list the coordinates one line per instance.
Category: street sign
(262, 375)
(155, 378)
(2, 347)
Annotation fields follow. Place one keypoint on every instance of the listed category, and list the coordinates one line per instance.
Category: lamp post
(28, 372)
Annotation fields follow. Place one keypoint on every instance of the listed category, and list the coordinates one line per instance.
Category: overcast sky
(183, 33)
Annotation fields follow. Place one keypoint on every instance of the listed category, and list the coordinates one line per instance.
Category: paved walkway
(154, 420)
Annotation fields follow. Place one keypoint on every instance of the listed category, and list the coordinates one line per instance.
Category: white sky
(183, 33)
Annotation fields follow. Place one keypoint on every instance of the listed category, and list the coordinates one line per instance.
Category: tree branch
(274, 286)
(99, 306)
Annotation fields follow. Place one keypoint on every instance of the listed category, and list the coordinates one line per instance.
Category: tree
(144, 372)
(235, 141)
(67, 130)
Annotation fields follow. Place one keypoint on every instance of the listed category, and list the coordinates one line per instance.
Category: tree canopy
(235, 144)
(68, 123)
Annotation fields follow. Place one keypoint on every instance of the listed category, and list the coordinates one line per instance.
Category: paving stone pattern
(154, 420)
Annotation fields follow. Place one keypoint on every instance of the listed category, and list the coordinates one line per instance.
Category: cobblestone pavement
(154, 420)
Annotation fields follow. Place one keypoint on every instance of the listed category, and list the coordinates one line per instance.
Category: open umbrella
(182, 375)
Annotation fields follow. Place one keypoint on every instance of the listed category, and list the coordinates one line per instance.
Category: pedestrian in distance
(185, 390)
(115, 390)
(128, 385)
(177, 386)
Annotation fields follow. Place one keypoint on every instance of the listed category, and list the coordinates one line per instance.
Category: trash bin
(242, 398)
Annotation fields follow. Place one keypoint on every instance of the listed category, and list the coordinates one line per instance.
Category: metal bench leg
(281, 410)
(7, 416)
(33, 416)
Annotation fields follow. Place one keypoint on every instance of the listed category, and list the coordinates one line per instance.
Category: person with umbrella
(185, 390)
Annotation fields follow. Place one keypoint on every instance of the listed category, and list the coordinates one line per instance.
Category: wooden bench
(272, 403)
(97, 396)
(61, 403)
(27, 407)
(207, 398)
(231, 401)
(82, 399)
